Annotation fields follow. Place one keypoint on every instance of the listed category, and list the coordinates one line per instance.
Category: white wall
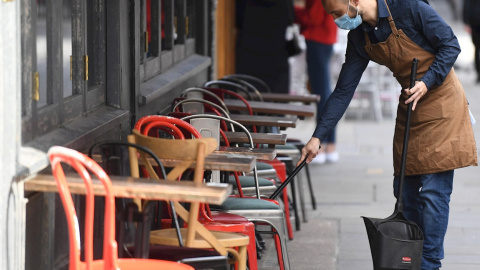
(11, 195)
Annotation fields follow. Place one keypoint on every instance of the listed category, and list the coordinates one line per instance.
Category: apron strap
(393, 27)
(390, 21)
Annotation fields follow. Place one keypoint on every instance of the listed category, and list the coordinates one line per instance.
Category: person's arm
(443, 41)
(339, 100)
(441, 37)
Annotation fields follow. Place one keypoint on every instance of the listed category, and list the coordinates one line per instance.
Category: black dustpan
(396, 242)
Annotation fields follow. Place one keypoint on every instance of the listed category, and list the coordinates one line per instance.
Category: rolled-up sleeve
(339, 100)
(441, 38)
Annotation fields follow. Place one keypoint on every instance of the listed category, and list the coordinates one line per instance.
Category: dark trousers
(318, 66)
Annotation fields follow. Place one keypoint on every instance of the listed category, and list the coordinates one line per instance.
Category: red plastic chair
(82, 165)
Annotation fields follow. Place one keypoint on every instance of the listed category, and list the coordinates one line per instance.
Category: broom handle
(413, 78)
(288, 180)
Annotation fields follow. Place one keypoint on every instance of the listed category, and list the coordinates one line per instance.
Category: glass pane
(191, 7)
(67, 46)
(41, 50)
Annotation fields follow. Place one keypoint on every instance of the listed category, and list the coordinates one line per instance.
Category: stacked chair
(175, 235)
(253, 209)
(290, 152)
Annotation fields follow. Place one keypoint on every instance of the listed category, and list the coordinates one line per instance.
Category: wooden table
(263, 120)
(258, 153)
(216, 161)
(271, 108)
(281, 97)
(142, 188)
(278, 97)
(261, 138)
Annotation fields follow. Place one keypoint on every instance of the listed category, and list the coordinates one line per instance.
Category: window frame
(38, 121)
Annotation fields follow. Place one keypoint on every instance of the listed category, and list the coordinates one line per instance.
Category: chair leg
(279, 252)
(242, 252)
(300, 145)
(290, 167)
(302, 199)
(274, 218)
(310, 187)
(281, 169)
(294, 205)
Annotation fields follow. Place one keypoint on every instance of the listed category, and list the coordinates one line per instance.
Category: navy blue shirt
(421, 23)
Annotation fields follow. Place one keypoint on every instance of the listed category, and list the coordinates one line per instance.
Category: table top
(261, 138)
(271, 108)
(129, 187)
(221, 161)
(279, 97)
(264, 120)
(259, 153)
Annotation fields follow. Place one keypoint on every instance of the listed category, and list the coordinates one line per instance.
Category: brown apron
(441, 134)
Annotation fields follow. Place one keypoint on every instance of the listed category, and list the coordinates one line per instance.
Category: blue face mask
(347, 23)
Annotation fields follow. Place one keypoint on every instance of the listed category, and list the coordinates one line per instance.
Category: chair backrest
(243, 128)
(196, 92)
(229, 86)
(188, 151)
(143, 122)
(248, 85)
(260, 84)
(83, 165)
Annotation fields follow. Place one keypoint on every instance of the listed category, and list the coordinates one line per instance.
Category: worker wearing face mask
(392, 33)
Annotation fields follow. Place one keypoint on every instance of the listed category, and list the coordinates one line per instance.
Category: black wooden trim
(78, 134)
(168, 28)
(181, 11)
(157, 86)
(167, 60)
(178, 53)
(189, 47)
(201, 27)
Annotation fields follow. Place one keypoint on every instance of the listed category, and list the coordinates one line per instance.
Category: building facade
(75, 72)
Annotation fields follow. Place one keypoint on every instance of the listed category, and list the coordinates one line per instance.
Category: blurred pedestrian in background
(261, 45)
(320, 32)
(471, 18)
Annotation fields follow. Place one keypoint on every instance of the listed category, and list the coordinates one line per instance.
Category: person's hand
(311, 148)
(416, 93)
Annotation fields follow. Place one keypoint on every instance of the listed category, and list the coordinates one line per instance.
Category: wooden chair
(196, 235)
(83, 165)
(134, 226)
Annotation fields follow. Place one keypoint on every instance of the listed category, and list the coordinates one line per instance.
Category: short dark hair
(343, 1)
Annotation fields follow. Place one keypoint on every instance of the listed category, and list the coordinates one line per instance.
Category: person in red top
(320, 32)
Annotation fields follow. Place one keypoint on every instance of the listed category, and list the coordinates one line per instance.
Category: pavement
(360, 184)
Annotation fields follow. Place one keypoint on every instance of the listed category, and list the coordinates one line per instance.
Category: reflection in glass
(191, 6)
(67, 46)
(41, 50)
